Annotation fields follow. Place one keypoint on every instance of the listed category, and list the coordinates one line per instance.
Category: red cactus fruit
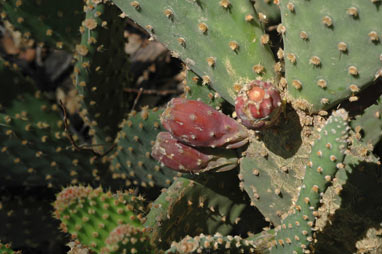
(180, 157)
(258, 104)
(197, 124)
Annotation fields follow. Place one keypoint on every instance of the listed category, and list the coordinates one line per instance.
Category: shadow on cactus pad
(284, 139)
(356, 223)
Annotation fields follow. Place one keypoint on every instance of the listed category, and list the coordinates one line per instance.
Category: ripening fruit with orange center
(258, 104)
(256, 94)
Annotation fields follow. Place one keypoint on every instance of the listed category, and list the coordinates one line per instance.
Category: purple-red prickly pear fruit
(197, 124)
(258, 104)
(184, 158)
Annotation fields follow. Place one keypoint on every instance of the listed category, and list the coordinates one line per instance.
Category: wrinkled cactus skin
(258, 104)
(183, 158)
(198, 124)
(178, 156)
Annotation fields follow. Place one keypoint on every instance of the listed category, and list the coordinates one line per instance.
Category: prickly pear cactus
(213, 201)
(195, 90)
(222, 41)
(131, 160)
(325, 60)
(51, 23)
(368, 125)
(295, 234)
(100, 82)
(212, 244)
(35, 148)
(252, 158)
(13, 84)
(102, 213)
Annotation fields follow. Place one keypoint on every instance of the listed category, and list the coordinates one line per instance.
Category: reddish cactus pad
(258, 104)
(197, 124)
(178, 156)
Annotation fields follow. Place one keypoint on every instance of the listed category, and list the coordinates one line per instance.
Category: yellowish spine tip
(327, 21)
(315, 60)
(136, 5)
(233, 45)
(203, 28)
(352, 11)
(352, 70)
(297, 84)
(322, 83)
(225, 4)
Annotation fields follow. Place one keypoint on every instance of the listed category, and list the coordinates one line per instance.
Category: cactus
(344, 202)
(324, 62)
(25, 137)
(98, 81)
(212, 244)
(128, 238)
(23, 213)
(90, 215)
(368, 125)
(53, 24)
(269, 12)
(239, 187)
(222, 41)
(195, 90)
(295, 233)
(215, 204)
(131, 160)
(13, 84)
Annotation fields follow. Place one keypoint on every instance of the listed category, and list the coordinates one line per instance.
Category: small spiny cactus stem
(212, 244)
(368, 125)
(128, 239)
(90, 215)
(258, 104)
(197, 124)
(6, 249)
(295, 235)
(184, 158)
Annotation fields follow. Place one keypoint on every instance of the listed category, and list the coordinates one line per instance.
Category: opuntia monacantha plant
(273, 147)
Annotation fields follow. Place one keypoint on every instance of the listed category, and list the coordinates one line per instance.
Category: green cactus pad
(90, 215)
(132, 160)
(295, 235)
(332, 50)
(195, 90)
(35, 150)
(271, 171)
(128, 239)
(210, 203)
(352, 203)
(221, 41)
(100, 73)
(269, 12)
(26, 221)
(13, 84)
(369, 124)
(54, 23)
